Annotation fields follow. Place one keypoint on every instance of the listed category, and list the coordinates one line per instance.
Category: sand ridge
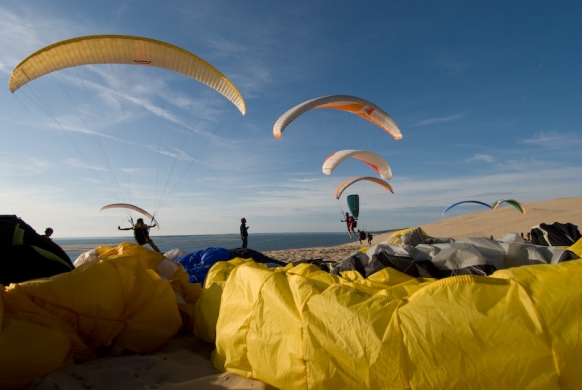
(496, 223)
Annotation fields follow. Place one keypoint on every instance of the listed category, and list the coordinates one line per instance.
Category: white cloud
(83, 164)
(14, 165)
(554, 140)
(433, 121)
(24, 31)
(481, 157)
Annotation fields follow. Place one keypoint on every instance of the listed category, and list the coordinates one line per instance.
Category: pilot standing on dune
(244, 234)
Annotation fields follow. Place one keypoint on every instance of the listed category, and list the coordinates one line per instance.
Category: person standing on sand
(141, 233)
(351, 224)
(48, 233)
(370, 238)
(361, 235)
(244, 234)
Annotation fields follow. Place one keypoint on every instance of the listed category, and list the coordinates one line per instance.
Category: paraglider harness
(352, 223)
(140, 232)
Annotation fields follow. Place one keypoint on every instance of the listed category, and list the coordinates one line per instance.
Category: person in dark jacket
(48, 233)
(141, 233)
(361, 235)
(244, 234)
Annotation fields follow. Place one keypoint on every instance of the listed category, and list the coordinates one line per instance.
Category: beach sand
(184, 362)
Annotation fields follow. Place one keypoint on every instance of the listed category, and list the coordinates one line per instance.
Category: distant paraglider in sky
(343, 186)
(464, 202)
(512, 202)
(352, 104)
(374, 160)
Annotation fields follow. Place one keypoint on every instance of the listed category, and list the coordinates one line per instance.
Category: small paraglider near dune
(352, 104)
(512, 202)
(465, 202)
(375, 161)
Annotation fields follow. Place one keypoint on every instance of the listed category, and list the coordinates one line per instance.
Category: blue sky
(488, 97)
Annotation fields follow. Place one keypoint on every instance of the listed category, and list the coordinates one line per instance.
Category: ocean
(258, 241)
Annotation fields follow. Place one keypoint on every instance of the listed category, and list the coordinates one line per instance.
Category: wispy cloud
(12, 165)
(21, 35)
(83, 164)
(481, 157)
(433, 121)
(554, 140)
(453, 65)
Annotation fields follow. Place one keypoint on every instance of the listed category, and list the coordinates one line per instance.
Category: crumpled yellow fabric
(396, 237)
(301, 328)
(117, 301)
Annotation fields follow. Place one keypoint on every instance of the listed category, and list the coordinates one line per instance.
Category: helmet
(243, 220)
(48, 230)
(140, 220)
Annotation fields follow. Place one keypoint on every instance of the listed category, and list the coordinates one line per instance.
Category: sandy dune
(506, 219)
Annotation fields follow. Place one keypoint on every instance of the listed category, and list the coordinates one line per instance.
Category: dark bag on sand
(556, 234)
(25, 255)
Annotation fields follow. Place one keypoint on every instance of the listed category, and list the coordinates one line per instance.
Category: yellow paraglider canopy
(122, 49)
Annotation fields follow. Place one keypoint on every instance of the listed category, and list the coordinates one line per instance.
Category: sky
(487, 95)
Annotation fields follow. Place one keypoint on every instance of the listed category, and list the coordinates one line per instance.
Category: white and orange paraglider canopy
(352, 104)
(375, 161)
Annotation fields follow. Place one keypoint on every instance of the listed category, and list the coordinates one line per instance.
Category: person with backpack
(141, 233)
(361, 235)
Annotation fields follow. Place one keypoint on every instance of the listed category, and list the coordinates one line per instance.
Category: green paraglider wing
(354, 204)
(512, 202)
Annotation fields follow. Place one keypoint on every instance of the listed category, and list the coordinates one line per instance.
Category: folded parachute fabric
(114, 303)
(555, 234)
(299, 327)
(469, 256)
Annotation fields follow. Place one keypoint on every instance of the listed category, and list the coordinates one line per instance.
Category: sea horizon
(74, 246)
